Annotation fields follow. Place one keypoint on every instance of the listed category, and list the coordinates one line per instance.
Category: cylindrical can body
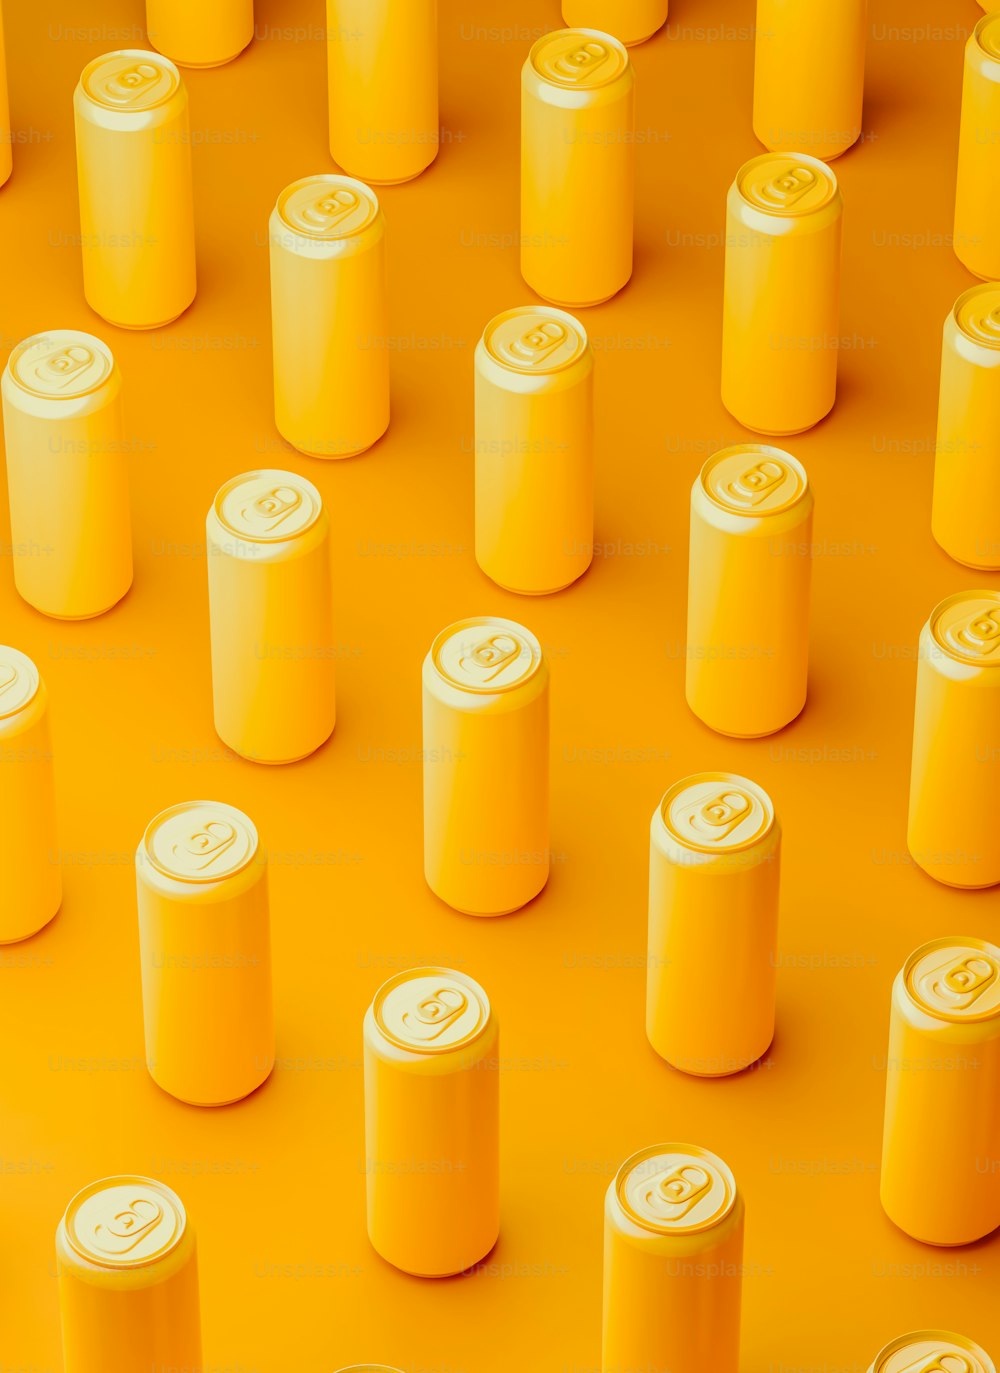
(329, 316)
(932, 1351)
(432, 1102)
(133, 151)
(673, 1264)
(205, 949)
(577, 167)
(781, 300)
(955, 771)
(977, 190)
(746, 672)
(30, 876)
(534, 450)
(941, 1142)
(714, 872)
(67, 474)
(965, 515)
(486, 766)
(809, 75)
(270, 610)
(127, 1266)
(6, 133)
(630, 21)
(382, 70)
(194, 34)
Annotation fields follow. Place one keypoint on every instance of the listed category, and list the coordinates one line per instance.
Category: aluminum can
(6, 133)
(534, 450)
(432, 1098)
(977, 191)
(932, 1351)
(194, 34)
(630, 21)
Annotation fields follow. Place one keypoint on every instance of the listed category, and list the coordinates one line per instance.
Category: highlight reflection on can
(748, 591)
(955, 769)
(631, 21)
(809, 76)
(714, 873)
(977, 191)
(673, 1264)
(577, 167)
(133, 150)
(941, 1142)
(932, 1351)
(534, 450)
(781, 311)
(67, 474)
(204, 944)
(194, 34)
(382, 70)
(486, 766)
(127, 1266)
(6, 133)
(30, 877)
(965, 515)
(329, 314)
(432, 1094)
(270, 608)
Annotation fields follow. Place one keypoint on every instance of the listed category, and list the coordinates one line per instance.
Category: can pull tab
(61, 366)
(126, 1228)
(131, 82)
(489, 657)
(781, 192)
(945, 1361)
(958, 985)
(268, 510)
(8, 676)
(535, 345)
(716, 819)
(328, 211)
(433, 1014)
(210, 842)
(757, 482)
(579, 64)
(990, 324)
(981, 634)
(675, 1193)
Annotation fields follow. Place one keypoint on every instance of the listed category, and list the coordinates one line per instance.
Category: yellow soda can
(534, 450)
(673, 1264)
(30, 876)
(577, 167)
(67, 474)
(271, 616)
(781, 297)
(932, 1351)
(977, 191)
(486, 766)
(965, 514)
(714, 874)
(750, 565)
(205, 950)
(941, 1142)
(127, 1267)
(955, 770)
(809, 76)
(329, 315)
(6, 133)
(194, 34)
(432, 1099)
(631, 21)
(382, 69)
(133, 152)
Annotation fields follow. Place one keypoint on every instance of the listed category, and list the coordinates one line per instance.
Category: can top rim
(489, 663)
(224, 845)
(686, 1189)
(67, 364)
(908, 1344)
(739, 809)
(431, 1010)
(607, 59)
(787, 195)
(771, 485)
(19, 681)
(345, 211)
(277, 506)
(957, 986)
(125, 1221)
(981, 329)
(550, 341)
(148, 96)
(972, 638)
(988, 43)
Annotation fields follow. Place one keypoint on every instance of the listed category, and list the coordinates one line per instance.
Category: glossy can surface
(977, 190)
(630, 21)
(932, 1351)
(195, 34)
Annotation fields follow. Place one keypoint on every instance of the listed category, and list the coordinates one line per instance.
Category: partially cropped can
(977, 192)
(6, 133)
(382, 70)
(941, 1142)
(133, 152)
(714, 872)
(809, 75)
(486, 766)
(329, 316)
(781, 310)
(932, 1351)
(630, 21)
(577, 167)
(955, 772)
(432, 1101)
(67, 474)
(195, 34)
(748, 591)
(30, 877)
(534, 450)
(673, 1264)
(270, 609)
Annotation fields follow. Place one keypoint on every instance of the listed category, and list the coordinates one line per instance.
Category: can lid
(486, 655)
(125, 1222)
(715, 812)
(431, 1010)
(200, 841)
(580, 59)
(933, 1351)
(987, 34)
(977, 314)
(535, 339)
(19, 681)
(268, 506)
(131, 80)
(327, 206)
(955, 979)
(967, 627)
(754, 479)
(786, 184)
(675, 1189)
(60, 364)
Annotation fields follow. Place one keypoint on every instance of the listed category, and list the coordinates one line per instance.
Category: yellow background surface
(275, 1186)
